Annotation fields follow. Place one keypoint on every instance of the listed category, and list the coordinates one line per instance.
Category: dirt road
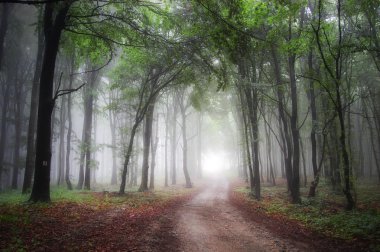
(210, 223)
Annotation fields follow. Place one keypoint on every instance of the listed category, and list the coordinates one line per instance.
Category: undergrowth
(325, 213)
(24, 226)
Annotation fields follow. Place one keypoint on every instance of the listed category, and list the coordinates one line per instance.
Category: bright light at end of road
(214, 164)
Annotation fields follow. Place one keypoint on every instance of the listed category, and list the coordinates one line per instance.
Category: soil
(214, 221)
(209, 222)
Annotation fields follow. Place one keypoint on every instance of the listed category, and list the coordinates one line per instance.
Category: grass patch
(325, 213)
(56, 194)
(13, 197)
(97, 198)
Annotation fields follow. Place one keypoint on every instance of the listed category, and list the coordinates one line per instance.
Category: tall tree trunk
(5, 11)
(94, 165)
(17, 123)
(184, 143)
(336, 161)
(313, 108)
(134, 169)
(112, 120)
(360, 122)
(255, 129)
(199, 145)
(166, 142)
(154, 145)
(303, 164)
(246, 137)
(82, 155)
(52, 31)
(336, 74)
(69, 128)
(346, 161)
(253, 118)
(3, 130)
(89, 103)
(269, 154)
(174, 142)
(61, 161)
(127, 159)
(284, 127)
(31, 147)
(146, 146)
(295, 184)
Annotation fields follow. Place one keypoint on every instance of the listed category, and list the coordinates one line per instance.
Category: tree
(174, 142)
(151, 77)
(335, 71)
(31, 146)
(87, 128)
(5, 11)
(61, 158)
(153, 145)
(147, 135)
(70, 125)
(184, 104)
(22, 73)
(54, 19)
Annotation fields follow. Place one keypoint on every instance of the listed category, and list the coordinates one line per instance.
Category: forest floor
(210, 222)
(223, 218)
(218, 217)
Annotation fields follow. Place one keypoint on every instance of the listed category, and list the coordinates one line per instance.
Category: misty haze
(202, 125)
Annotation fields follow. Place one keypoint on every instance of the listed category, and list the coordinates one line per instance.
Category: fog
(206, 125)
(168, 108)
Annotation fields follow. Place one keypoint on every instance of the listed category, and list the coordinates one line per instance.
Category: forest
(190, 125)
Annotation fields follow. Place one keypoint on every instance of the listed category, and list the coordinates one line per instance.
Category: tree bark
(336, 73)
(146, 146)
(89, 103)
(5, 11)
(246, 137)
(199, 145)
(31, 144)
(127, 158)
(183, 109)
(154, 145)
(284, 127)
(295, 182)
(53, 27)
(3, 130)
(303, 164)
(62, 121)
(17, 124)
(82, 155)
(313, 108)
(69, 128)
(174, 142)
(112, 120)
(166, 143)
(269, 153)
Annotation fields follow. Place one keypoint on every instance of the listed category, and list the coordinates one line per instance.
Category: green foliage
(348, 225)
(12, 197)
(57, 194)
(255, 13)
(323, 213)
